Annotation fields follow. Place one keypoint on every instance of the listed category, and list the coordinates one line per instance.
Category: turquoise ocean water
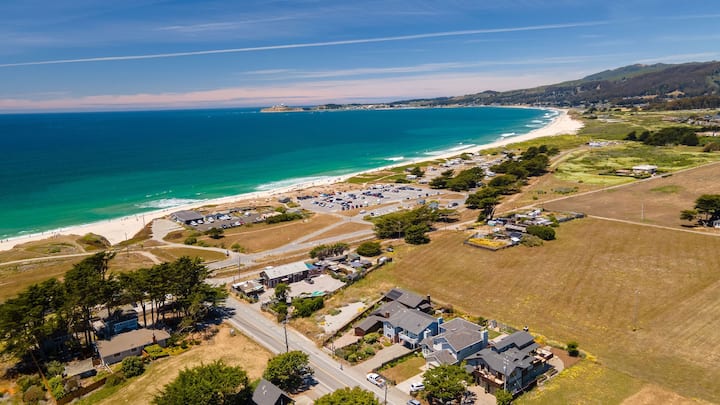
(68, 169)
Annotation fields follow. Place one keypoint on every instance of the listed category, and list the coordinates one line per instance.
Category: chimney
(428, 299)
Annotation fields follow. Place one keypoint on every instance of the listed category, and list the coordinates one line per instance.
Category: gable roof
(128, 340)
(369, 323)
(506, 362)
(389, 309)
(463, 338)
(187, 215)
(285, 270)
(518, 339)
(457, 324)
(268, 393)
(411, 320)
(441, 357)
(409, 299)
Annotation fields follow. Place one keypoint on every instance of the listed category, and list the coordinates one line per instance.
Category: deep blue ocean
(74, 168)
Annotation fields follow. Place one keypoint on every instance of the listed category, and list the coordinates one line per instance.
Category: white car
(417, 386)
(376, 379)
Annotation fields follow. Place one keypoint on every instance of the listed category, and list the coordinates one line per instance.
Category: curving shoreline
(118, 229)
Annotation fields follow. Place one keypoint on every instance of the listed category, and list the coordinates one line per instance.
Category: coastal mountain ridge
(697, 82)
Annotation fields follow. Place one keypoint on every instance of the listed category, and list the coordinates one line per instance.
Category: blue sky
(135, 54)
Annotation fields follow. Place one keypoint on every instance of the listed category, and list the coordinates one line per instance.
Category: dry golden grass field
(343, 229)
(172, 254)
(655, 201)
(235, 350)
(583, 287)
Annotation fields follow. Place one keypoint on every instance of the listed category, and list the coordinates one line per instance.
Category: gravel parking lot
(366, 199)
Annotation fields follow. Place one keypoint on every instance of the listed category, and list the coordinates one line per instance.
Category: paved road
(328, 373)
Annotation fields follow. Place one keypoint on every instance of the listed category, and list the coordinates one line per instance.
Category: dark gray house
(409, 299)
(514, 363)
(186, 216)
(287, 273)
(410, 326)
(268, 393)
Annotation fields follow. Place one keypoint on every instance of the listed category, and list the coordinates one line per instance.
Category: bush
(306, 306)
(531, 241)
(190, 240)
(237, 248)
(371, 338)
(156, 352)
(54, 368)
(712, 147)
(132, 366)
(115, 379)
(57, 387)
(215, 233)
(369, 249)
(572, 349)
(27, 381)
(33, 395)
(542, 232)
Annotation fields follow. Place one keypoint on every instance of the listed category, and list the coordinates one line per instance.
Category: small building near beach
(644, 169)
(186, 216)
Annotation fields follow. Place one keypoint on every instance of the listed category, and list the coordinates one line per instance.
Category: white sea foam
(292, 182)
(507, 134)
(167, 203)
(395, 158)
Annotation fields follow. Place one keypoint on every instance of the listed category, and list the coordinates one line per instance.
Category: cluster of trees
(541, 231)
(465, 180)
(666, 136)
(289, 371)
(212, 384)
(446, 383)
(323, 251)
(413, 224)
(533, 162)
(707, 210)
(284, 217)
(58, 309)
(369, 249)
(355, 396)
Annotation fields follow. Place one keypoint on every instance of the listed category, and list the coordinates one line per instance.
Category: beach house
(129, 344)
(457, 339)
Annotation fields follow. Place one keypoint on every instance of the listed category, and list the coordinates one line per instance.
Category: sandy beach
(119, 229)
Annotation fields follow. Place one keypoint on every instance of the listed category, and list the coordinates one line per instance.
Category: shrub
(572, 349)
(712, 147)
(542, 232)
(27, 381)
(54, 368)
(369, 351)
(371, 338)
(215, 233)
(306, 306)
(531, 241)
(33, 395)
(115, 379)
(191, 240)
(156, 352)
(132, 366)
(369, 249)
(237, 248)
(57, 387)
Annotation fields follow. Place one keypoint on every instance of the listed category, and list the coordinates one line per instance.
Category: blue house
(457, 340)
(410, 327)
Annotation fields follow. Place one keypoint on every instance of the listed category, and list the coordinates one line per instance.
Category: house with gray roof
(129, 344)
(456, 340)
(514, 363)
(186, 216)
(410, 326)
(287, 273)
(268, 393)
(409, 299)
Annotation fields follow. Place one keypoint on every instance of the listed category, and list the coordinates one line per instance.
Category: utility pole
(386, 384)
(287, 346)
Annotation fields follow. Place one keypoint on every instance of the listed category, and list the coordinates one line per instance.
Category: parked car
(309, 281)
(413, 402)
(417, 386)
(376, 379)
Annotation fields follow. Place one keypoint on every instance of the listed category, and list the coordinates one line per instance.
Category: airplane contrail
(308, 44)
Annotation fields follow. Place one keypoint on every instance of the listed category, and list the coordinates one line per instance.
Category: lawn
(235, 350)
(582, 287)
(586, 382)
(657, 201)
(405, 370)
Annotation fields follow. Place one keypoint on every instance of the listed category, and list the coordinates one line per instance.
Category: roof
(463, 338)
(441, 357)
(187, 215)
(506, 362)
(411, 320)
(517, 339)
(457, 324)
(645, 167)
(267, 393)
(389, 308)
(79, 367)
(285, 270)
(126, 341)
(410, 300)
(370, 322)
